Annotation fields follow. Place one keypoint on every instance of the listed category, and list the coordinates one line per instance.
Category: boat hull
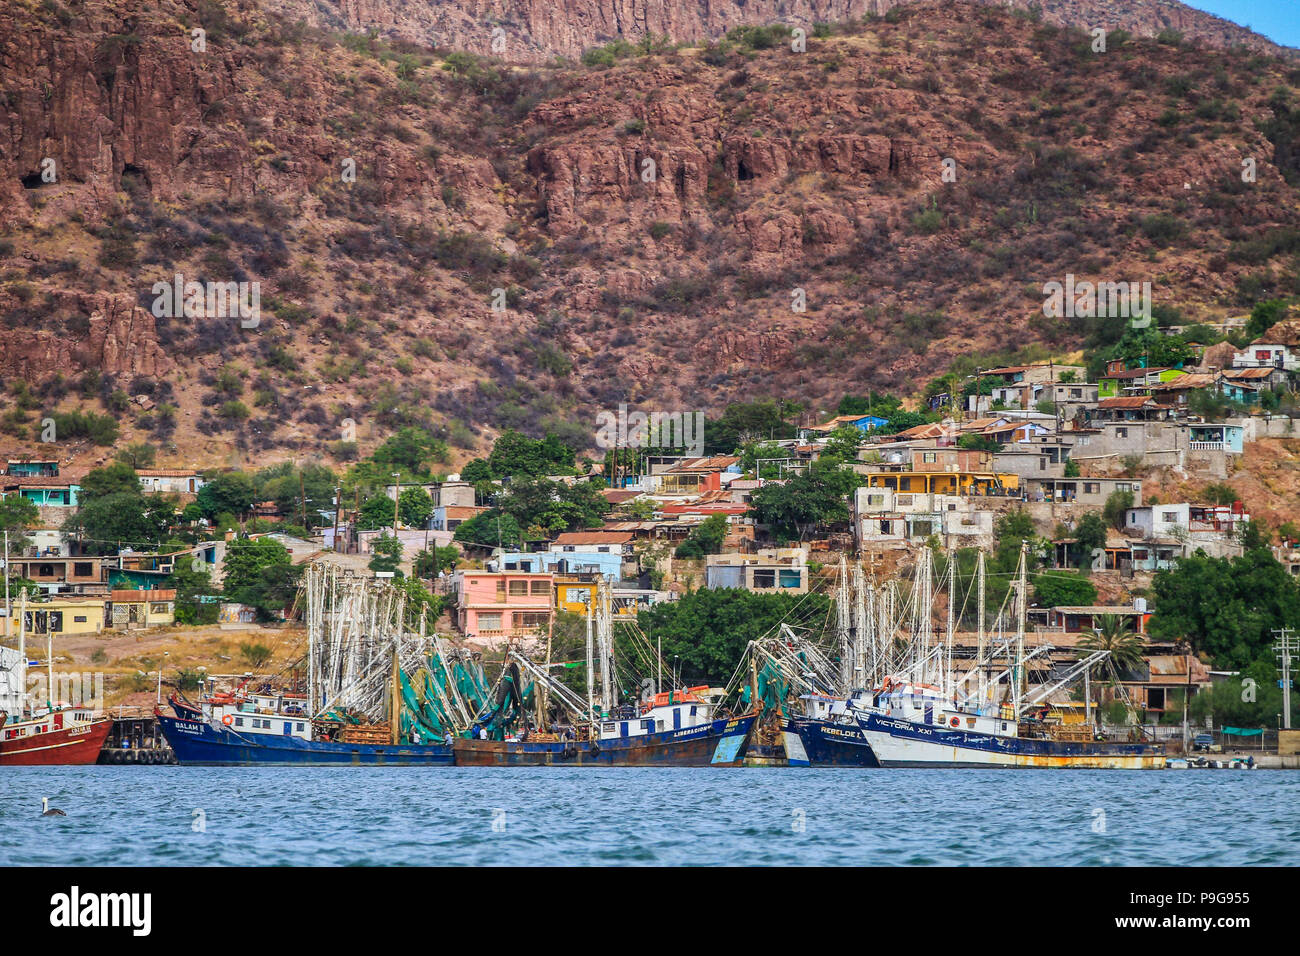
(198, 743)
(906, 743)
(811, 742)
(720, 743)
(74, 745)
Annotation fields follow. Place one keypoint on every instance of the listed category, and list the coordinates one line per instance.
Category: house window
(79, 618)
(501, 589)
(532, 619)
(518, 588)
(539, 587)
(82, 569)
(875, 501)
(1169, 517)
(1091, 488)
(1121, 433)
(928, 456)
(489, 622)
(790, 579)
(765, 579)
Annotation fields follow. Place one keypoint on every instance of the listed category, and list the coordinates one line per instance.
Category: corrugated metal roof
(1126, 401)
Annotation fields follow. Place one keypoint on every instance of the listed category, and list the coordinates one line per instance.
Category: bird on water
(48, 811)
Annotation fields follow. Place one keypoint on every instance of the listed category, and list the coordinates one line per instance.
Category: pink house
(494, 606)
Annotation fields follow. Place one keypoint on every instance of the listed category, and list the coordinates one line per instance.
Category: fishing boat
(376, 693)
(927, 716)
(53, 735)
(826, 735)
(675, 729)
(680, 727)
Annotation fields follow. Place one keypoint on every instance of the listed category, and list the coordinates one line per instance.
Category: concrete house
(493, 607)
(171, 481)
(772, 570)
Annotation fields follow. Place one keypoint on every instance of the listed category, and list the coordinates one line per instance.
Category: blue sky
(1279, 20)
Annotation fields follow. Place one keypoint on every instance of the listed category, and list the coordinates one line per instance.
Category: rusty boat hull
(719, 743)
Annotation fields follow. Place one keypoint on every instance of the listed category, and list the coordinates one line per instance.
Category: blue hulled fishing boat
(278, 740)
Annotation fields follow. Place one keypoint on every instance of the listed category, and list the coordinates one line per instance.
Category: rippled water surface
(526, 816)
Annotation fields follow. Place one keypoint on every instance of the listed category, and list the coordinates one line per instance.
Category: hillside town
(511, 550)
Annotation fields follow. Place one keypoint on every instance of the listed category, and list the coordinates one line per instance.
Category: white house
(171, 481)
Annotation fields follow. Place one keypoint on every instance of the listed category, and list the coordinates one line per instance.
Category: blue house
(32, 468)
(863, 423)
(1207, 437)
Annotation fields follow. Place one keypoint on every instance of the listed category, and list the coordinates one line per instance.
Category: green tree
(192, 584)
(17, 516)
(1264, 316)
(123, 519)
(544, 507)
(491, 527)
(1010, 530)
(116, 478)
(751, 453)
(706, 632)
(1089, 537)
(260, 573)
(410, 450)
(979, 443)
(138, 455)
(742, 423)
(388, 555)
(415, 507)
(229, 492)
(515, 455)
(1063, 589)
(433, 560)
(1226, 608)
(1115, 511)
(377, 512)
(307, 491)
(901, 421)
(1112, 633)
(705, 539)
(796, 507)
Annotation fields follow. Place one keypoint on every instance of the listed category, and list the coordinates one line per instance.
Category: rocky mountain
(454, 241)
(534, 31)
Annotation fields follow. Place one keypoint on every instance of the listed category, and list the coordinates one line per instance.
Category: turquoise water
(526, 816)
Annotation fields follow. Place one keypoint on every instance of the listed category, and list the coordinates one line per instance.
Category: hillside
(532, 32)
(774, 171)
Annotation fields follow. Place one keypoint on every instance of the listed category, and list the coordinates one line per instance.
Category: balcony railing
(1207, 445)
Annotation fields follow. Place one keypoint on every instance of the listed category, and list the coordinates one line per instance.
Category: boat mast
(861, 629)
(591, 674)
(952, 599)
(842, 626)
(979, 634)
(22, 650)
(1020, 628)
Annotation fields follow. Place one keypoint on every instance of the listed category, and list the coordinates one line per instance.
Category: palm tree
(1110, 632)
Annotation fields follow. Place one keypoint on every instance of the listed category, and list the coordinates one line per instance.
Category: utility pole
(1287, 644)
(397, 494)
(338, 503)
